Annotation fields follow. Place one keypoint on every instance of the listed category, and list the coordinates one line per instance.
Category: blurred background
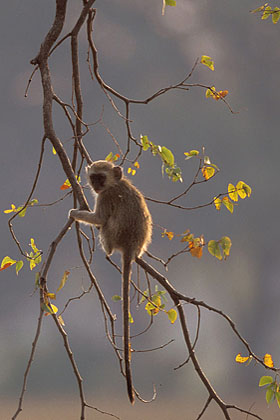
(141, 51)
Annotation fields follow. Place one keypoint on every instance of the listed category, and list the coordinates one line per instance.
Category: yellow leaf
(54, 151)
(218, 203)
(49, 309)
(241, 359)
(11, 210)
(196, 246)
(268, 360)
(130, 319)
(210, 92)
(223, 93)
(186, 236)
(276, 15)
(232, 192)
(111, 157)
(7, 262)
(153, 309)
(267, 12)
(66, 185)
(54, 308)
(207, 61)
(170, 235)
(243, 189)
(172, 315)
(51, 295)
(136, 164)
(220, 94)
(60, 320)
(259, 9)
(207, 172)
(196, 252)
(192, 153)
(32, 264)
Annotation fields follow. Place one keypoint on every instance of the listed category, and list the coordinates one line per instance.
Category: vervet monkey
(125, 225)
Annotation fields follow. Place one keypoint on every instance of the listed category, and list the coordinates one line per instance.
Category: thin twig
(31, 358)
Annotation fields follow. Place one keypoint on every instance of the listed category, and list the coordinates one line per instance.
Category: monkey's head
(102, 175)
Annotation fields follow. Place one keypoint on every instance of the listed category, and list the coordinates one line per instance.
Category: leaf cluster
(168, 161)
(241, 190)
(268, 11)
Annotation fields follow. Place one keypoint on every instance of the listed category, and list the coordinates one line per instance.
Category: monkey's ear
(118, 172)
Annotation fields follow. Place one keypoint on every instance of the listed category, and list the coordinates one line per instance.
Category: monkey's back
(127, 220)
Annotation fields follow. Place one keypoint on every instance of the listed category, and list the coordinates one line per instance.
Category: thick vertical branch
(76, 77)
(42, 61)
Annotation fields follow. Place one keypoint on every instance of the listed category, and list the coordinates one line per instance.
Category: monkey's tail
(127, 263)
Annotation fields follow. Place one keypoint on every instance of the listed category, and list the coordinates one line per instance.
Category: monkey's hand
(73, 213)
(85, 216)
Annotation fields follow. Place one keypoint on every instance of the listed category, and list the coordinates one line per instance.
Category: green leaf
(19, 265)
(191, 154)
(143, 298)
(109, 157)
(37, 280)
(63, 280)
(276, 15)
(266, 13)
(32, 202)
(258, 9)
(170, 2)
(265, 380)
(51, 309)
(22, 213)
(277, 395)
(145, 142)
(214, 249)
(269, 395)
(167, 156)
(207, 61)
(175, 174)
(116, 298)
(225, 243)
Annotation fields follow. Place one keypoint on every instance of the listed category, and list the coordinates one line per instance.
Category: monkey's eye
(98, 181)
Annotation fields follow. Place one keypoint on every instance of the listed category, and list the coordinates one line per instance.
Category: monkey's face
(102, 175)
(98, 182)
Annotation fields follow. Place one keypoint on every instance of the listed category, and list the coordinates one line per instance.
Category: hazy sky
(141, 51)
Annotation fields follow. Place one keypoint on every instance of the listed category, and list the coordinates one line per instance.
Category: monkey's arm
(86, 217)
